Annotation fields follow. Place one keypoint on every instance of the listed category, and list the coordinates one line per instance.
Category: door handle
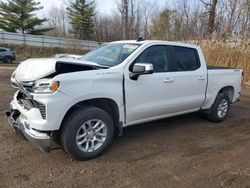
(168, 80)
(201, 78)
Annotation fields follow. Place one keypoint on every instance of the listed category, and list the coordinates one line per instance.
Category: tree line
(178, 20)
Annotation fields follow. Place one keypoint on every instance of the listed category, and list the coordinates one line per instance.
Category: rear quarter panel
(220, 78)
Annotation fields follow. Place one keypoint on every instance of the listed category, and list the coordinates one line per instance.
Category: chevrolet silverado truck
(82, 103)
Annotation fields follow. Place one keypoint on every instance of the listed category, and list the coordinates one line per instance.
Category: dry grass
(221, 54)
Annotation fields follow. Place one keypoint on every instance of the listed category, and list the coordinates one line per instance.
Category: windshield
(111, 54)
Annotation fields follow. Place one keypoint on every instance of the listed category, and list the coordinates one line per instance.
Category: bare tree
(244, 22)
(107, 28)
(234, 10)
(211, 7)
(123, 8)
(184, 20)
(129, 9)
(147, 9)
(58, 20)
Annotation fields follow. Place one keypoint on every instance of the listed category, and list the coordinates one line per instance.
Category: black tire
(213, 114)
(75, 121)
(8, 59)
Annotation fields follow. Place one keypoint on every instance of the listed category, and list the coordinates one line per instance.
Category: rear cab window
(185, 59)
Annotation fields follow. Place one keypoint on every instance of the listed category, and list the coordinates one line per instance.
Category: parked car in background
(7, 55)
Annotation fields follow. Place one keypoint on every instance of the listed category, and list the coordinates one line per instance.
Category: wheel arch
(106, 104)
(229, 90)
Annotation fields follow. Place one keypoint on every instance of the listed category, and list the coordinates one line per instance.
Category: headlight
(45, 86)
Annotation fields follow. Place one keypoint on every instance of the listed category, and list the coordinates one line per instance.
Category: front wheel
(220, 108)
(87, 133)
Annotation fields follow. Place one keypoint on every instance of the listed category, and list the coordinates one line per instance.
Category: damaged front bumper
(20, 124)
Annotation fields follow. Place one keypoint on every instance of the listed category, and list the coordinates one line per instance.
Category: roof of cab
(157, 42)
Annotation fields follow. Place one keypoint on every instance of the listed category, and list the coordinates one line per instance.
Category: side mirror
(139, 69)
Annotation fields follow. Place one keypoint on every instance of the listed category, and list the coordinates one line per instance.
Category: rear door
(189, 79)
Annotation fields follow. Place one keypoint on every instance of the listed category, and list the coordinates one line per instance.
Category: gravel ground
(185, 151)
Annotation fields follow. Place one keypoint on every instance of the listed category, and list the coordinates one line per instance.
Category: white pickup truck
(82, 103)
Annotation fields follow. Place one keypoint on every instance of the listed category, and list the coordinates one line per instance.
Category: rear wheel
(8, 60)
(87, 133)
(220, 108)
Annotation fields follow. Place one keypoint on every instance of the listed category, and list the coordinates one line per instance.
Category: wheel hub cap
(91, 135)
(222, 108)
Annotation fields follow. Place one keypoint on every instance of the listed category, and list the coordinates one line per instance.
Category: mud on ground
(185, 151)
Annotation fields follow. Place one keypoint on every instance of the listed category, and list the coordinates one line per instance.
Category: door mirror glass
(141, 68)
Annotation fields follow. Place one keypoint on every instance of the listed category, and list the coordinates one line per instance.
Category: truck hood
(37, 68)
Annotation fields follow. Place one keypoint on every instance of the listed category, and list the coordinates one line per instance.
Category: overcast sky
(104, 6)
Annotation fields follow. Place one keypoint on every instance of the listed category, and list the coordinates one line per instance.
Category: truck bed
(218, 67)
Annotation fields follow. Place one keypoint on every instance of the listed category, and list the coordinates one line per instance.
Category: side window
(155, 55)
(2, 50)
(186, 59)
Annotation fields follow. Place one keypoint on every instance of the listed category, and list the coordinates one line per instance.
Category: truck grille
(29, 103)
(28, 88)
(42, 109)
